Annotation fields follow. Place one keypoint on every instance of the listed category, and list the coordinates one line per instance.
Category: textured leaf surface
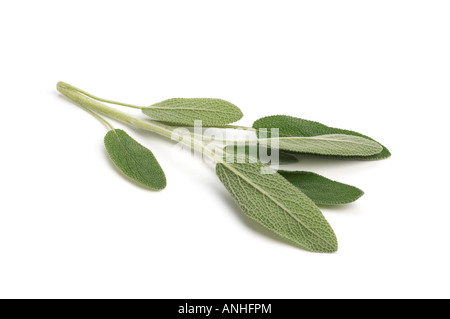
(184, 111)
(293, 126)
(331, 144)
(134, 160)
(283, 157)
(321, 190)
(278, 205)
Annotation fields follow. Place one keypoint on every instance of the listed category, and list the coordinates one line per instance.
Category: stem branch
(68, 86)
(90, 104)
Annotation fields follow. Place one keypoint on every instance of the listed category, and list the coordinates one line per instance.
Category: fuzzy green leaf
(331, 144)
(291, 126)
(321, 190)
(134, 160)
(283, 157)
(184, 111)
(278, 205)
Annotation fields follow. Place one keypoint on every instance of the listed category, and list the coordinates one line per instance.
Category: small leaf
(283, 157)
(184, 111)
(291, 126)
(331, 144)
(277, 205)
(321, 190)
(134, 160)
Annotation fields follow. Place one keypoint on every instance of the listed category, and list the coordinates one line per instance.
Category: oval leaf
(321, 190)
(278, 205)
(134, 160)
(292, 126)
(331, 144)
(184, 111)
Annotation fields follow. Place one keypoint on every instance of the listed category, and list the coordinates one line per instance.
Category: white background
(72, 227)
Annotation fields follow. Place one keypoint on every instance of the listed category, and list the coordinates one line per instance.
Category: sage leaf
(134, 160)
(296, 127)
(321, 190)
(184, 111)
(278, 205)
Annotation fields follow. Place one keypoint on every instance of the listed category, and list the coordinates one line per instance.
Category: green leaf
(331, 144)
(291, 126)
(321, 190)
(278, 205)
(283, 157)
(134, 160)
(184, 111)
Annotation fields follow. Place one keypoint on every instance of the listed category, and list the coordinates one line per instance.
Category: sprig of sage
(283, 201)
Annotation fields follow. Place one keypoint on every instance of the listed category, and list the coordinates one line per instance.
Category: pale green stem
(68, 86)
(81, 93)
(98, 117)
(89, 103)
(83, 100)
